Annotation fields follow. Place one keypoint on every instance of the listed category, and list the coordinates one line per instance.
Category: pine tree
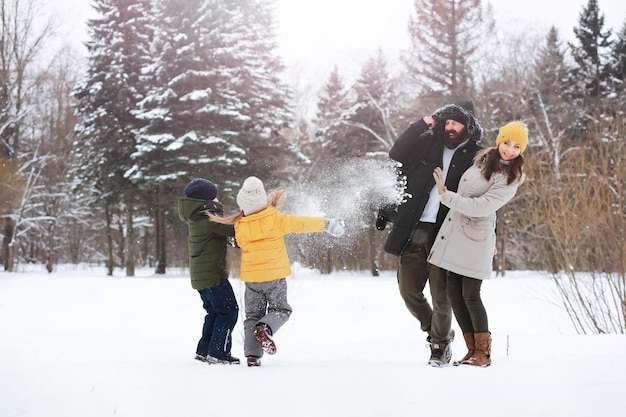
(589, 78)
(549, 118)
(445, 37)
(359, 120)
(106, 135)
(375, 106)
(618, 71)
(550, 68)
(550, 110)
(216, 98)
(216, 107)
(189, 113)
(256, 79)
(333, 102)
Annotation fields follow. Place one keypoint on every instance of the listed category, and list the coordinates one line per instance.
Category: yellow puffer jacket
(261, 238)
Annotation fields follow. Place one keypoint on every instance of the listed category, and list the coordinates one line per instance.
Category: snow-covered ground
(79, 344)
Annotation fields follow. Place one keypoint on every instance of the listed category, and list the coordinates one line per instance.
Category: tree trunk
(130, 241)
(109, 237)
(121, 247)
(7, 244)
(326, 266)
(371, 238)
(50, 248)
(10, 259)
(159, 219)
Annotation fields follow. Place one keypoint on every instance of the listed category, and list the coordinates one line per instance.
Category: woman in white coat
(466, 242)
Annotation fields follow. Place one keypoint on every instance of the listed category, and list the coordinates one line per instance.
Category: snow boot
(469, 341)
(222, 360)
(441, 353)
(200, 358)
(482, 352)
(263, 333)
(253, 361)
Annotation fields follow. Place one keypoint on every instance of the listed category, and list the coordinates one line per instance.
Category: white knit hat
(252, 197)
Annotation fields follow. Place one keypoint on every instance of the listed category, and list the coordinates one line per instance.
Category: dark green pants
(413, 274)
(464, 294)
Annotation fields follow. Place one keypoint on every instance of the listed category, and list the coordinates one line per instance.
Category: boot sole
(215, 361)
(254, 363)
(267, 344)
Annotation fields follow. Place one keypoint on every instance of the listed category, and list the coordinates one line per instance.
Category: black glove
(386, 214)
(381, 220)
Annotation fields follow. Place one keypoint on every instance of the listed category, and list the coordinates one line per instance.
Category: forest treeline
(95, 149)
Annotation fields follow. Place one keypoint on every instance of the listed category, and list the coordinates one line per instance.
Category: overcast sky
(314, 35)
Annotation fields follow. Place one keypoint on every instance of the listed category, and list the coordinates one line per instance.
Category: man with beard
(447, 139)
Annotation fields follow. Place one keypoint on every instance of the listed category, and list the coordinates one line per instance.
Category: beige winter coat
(467, 238)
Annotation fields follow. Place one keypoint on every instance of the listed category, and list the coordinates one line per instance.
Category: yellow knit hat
(514, 131)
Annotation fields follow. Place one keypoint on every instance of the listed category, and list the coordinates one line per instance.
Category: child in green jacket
(208, 270)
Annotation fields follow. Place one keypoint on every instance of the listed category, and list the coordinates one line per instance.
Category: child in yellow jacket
(259, 230)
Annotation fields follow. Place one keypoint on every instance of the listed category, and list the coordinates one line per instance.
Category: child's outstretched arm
(302, 224)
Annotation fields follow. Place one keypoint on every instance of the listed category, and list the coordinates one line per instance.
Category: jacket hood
(456, 112)
(256, 226)
(190, 207)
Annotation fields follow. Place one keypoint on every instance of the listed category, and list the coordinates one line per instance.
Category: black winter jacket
(420, 150)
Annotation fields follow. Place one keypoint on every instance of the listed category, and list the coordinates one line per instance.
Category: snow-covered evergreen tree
(217, 106)
(550, 68)
(333, 104)
(618, 71)
(333, 98)
(445, 38)
(375, 108)
(189, 112)
(117, 49)
(589, 77)
(358, 120)
(550, 111)
(256, 79)
(106, 135)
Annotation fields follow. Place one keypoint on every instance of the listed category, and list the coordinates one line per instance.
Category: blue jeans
(222, 311)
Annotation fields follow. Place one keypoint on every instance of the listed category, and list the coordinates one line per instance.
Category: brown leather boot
(469, 341)
(482, 352)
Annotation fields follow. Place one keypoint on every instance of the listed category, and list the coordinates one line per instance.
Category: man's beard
(457, 139)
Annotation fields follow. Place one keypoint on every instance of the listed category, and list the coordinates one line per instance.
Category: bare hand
(438, 176)
(430, 121)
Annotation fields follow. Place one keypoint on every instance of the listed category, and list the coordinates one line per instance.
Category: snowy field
(79, 344)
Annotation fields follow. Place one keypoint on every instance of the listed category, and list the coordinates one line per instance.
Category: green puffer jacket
(207, 242)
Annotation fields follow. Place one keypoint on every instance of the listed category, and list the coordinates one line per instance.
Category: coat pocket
(475, 233)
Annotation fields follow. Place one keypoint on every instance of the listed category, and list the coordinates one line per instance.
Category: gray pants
(413, 273)
(266, 302)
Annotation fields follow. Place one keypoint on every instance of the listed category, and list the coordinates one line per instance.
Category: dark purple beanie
(201, 189)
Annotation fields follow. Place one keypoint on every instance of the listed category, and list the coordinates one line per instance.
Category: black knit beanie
(201, 189)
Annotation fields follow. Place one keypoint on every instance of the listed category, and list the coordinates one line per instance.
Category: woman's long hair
(491, 163)
(274, 198)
